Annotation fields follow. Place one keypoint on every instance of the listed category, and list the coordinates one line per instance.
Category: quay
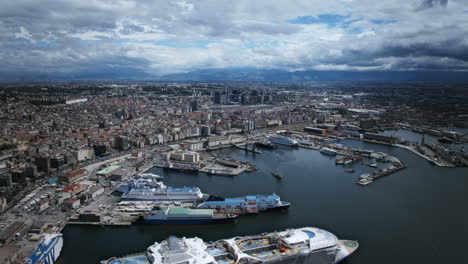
(369, 178)
(348, 159)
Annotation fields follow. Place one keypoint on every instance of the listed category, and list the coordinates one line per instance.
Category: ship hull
(284, 143)
(284, 205)
(329, 153)
(164, 199)
(184, 221)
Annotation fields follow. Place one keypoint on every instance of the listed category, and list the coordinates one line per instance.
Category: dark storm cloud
(129, 29)
(432, 3)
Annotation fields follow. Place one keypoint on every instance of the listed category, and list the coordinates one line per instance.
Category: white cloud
(223, 33)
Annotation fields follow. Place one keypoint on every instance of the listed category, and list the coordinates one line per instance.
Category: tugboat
(277, 175)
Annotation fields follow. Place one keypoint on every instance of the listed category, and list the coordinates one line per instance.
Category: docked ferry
(47, 251)
(185, 216)
(247, 204)
(165, 194)
(283, 140)
(142, 181)
(307, 245)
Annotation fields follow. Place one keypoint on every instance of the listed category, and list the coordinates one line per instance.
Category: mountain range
(241, 74)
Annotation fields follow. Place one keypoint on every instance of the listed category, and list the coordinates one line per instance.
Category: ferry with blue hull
(306, 245)
(243, 205)
(283, 140)
(185, 194)
(47, 251)
(184, 216)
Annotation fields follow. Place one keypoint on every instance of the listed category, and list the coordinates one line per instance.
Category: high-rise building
(100, 150)
(244, 99)
(30, 171)
(43, 164)
(205, 131)
(217, 98)
(122, 143)
(194, 105)
(5, 180)
(57, 162)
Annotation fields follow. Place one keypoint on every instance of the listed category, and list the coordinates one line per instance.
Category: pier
(367, 179)
(348, 159)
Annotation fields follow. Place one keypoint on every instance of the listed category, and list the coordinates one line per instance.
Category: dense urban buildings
(64, 146)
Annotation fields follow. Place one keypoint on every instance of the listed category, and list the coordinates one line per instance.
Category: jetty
(348, 159)
(369, 178)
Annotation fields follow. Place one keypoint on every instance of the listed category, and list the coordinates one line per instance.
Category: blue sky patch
(329, 19)
(201, 44)
(383, 21)
(355, 30)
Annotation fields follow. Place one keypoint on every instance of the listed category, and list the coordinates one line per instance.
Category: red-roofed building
(73, 175)
(75, 189)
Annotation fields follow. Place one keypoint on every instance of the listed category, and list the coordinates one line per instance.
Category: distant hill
(239, 74)
(321, 76)
(108, 74)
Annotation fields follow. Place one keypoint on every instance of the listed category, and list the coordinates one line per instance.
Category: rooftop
(108, 170)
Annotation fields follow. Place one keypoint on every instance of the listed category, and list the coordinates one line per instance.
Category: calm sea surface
(417, 215)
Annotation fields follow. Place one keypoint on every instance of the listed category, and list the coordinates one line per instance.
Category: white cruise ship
(282, 140)
(142, 181)
(307, 245)
(165, 194)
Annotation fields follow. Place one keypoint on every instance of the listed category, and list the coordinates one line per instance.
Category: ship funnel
(173, 243)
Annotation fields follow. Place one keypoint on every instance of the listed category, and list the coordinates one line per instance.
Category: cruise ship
(184, 216)
(307, 245)
(165, 194)
(282, 140)
(243, 205)
(142, 181)
(328, 151)
(47, 251)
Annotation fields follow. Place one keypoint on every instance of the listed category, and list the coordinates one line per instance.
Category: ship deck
(137, 259)
(267, 247)
(43, 249)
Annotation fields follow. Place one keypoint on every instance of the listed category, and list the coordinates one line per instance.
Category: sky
(163, 37)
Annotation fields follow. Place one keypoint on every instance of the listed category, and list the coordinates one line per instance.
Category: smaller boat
(349, 170)
(277, 175)
(373, 165)
(445, 140)
(328, 151)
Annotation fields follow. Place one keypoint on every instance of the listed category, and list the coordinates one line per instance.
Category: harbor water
(417, 215)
